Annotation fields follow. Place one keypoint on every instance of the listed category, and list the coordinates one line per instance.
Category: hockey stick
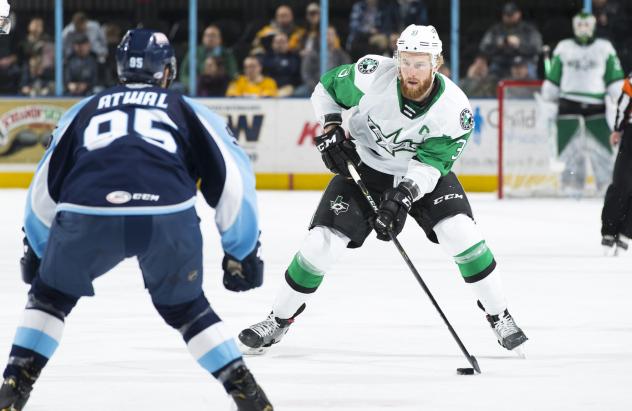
(470, 358)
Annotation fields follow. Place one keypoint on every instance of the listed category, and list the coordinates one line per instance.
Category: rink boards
(277, 134)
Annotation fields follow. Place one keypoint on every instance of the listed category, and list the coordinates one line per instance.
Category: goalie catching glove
(392, 212)
(242, 275)
(336, 150)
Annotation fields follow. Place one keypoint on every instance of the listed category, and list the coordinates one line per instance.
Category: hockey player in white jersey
(408, 125)
(584, 70)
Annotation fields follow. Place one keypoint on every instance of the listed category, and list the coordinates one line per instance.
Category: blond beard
(414, 93)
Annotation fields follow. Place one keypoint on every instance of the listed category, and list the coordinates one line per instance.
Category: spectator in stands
(310, 66)
(283, 65)
(213, 82)
(38, 42)
(520, 69)
(445, 69)
(510, 38)
(370, 25)
(613, 23)
(9, 65)
(284, 22)
(81, 26)
(252, 83)
(109, 74)
(212, 45)
(312, 29)
(80, 70)
(412, 12)
(479, 82)
(37, 80)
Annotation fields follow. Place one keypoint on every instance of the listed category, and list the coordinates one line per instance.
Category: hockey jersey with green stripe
(584, 73)
(395, 135)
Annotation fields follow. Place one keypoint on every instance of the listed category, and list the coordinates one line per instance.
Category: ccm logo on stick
(447, 197)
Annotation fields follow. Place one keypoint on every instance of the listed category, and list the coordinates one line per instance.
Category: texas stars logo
(389, 142)
(367, 65)
(338, 206)
(467, 119)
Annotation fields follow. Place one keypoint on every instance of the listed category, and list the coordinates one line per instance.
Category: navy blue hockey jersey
(140, 150)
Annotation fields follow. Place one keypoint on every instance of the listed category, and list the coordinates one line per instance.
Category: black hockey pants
(616, 216)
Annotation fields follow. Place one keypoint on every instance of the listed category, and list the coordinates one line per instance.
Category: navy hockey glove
(392, 212)
(29, 263)
(335, 150)
(245, 274)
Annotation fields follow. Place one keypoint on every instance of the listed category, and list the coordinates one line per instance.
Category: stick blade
(474, 363)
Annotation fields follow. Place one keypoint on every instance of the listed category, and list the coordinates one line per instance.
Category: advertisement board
(277, 134)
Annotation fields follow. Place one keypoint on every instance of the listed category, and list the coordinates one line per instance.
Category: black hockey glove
(29, 263)
(335, 150)
(245, 274)
(392, 212)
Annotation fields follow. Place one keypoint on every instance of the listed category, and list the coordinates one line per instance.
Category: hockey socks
(39, 333)
(301, 280)
(459, 236)
(475, 263)
(302, 276)
(206, 336)
(36, 339)
(319, 252)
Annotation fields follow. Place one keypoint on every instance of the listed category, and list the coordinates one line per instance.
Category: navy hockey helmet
(142, 56)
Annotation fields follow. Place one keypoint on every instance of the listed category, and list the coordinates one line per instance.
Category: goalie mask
(419, 39)
(5, 20)
(584, 27)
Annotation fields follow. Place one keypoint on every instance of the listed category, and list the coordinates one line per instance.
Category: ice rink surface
(370, 339)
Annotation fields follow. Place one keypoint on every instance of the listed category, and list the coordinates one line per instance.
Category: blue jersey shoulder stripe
(236, 212)
(40, 207)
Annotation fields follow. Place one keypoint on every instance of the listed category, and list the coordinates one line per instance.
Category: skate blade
(610, 251)
(520, 352)
(245, 350)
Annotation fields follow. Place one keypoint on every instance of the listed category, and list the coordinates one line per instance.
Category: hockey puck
(465, 371)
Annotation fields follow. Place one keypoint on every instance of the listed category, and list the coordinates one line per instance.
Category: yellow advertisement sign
(25, 126)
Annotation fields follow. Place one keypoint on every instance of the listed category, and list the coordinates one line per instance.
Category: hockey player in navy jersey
(119, 180)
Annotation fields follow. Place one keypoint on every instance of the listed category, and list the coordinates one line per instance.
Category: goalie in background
(616, 217)
(583, 71)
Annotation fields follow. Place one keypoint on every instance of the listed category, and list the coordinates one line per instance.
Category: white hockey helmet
(584, 26)
(5, 20)
(419, 39)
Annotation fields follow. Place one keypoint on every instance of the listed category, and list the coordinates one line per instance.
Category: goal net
(528, 164)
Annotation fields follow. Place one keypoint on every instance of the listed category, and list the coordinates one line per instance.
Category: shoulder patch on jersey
(367, 65)
(467, 119)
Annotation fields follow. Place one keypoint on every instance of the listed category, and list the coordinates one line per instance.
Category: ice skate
(609, 244)
(509, 335)
(246, 393)
(622, 243)
(15, 391)
(257, 338)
